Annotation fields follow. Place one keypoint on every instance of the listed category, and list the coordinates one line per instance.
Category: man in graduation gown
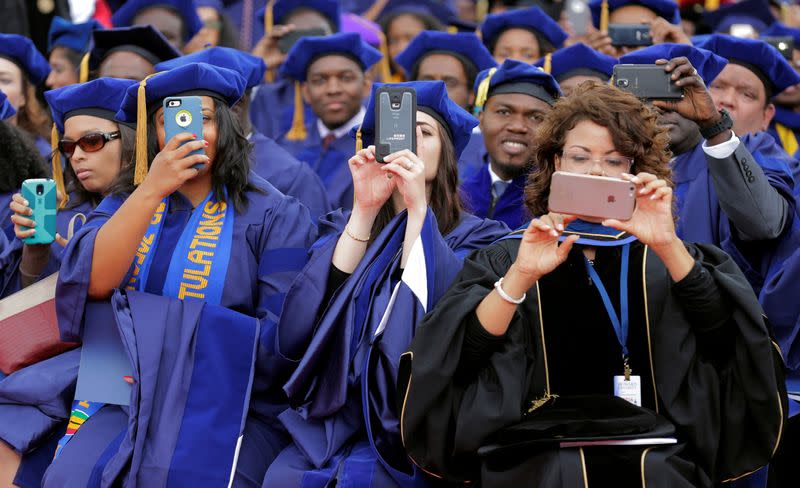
(176, 20)
(785, 126)
(512, 101)
(331, 75)
(455, 59)
(269, 160)
(524, 34)
(129, 52)
(575, 64)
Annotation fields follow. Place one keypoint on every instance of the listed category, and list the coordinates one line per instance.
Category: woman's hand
(540, 253)
(25, 227)
(370, 185)
(173, 166)
(409, 171)
(652, 221)
(662, 31)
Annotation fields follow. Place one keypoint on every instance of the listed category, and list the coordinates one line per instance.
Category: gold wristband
(351, 236)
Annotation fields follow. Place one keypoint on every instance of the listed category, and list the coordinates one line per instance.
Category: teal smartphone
(41, 195)
(184, 114)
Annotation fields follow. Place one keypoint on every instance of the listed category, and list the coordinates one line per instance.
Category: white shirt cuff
(723, 150)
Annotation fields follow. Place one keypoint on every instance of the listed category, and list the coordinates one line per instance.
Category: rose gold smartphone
(591, 196)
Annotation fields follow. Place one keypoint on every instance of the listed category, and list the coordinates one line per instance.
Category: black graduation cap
(143, 40)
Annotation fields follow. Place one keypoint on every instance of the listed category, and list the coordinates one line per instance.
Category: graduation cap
(755, 13)
(98, 98)
(533, 19)
(217, 5)
(515, 77)
(277, 11)
(465, 47)
(756, 55)
(600, 9)
(440, 10)
(190, 79)
(778, 29)
(310, 49)
(21, 51)
(433, 100)
(186, 9)
(707, 64)
(372, 34)
(77, 37)
(250, 67)
(6, 110)
(143, 40)
(578, 59)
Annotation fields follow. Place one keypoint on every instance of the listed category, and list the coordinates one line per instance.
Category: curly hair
(19, 158)
(633, 126)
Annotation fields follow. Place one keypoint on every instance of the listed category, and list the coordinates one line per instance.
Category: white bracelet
(505, 296)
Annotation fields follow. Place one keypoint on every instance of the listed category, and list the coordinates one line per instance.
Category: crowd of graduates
(296, 313)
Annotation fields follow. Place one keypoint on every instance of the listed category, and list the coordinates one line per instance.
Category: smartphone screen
(184, 114)
(396, 120)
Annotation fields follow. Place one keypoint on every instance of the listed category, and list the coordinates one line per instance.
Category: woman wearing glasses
(543, 335)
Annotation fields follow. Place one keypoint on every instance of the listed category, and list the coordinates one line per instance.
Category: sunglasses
(89, 143)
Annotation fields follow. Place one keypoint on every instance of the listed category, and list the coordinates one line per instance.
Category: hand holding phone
(591, 196)
(395, 120)
(184, 114)
(286, 42)
(40, 194)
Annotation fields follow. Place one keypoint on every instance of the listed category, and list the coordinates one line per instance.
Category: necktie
(246, 35)
(327, 140)
(498, 188)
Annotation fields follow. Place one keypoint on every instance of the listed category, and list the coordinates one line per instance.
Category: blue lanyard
(620, 322)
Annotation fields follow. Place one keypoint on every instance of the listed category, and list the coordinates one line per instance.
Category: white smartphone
(591, 196)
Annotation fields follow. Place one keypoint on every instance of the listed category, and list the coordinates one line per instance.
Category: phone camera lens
(395, 105)
(622, 83)
(40, 189)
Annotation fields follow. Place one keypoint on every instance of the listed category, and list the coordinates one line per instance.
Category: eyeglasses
(581, 162)
(89, 143)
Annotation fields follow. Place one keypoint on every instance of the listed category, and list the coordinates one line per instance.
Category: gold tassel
(268, 20)
(83, 77)
(385, 65)
(360, 142)
(58, 172)
(483, 91)
(451, 29)
(298, 130)
(140, 170)
(548, 63)
(784, 11)
(604, 16)
(481, 10)
(711, 5)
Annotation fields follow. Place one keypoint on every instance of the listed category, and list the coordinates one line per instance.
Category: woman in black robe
(481, 365)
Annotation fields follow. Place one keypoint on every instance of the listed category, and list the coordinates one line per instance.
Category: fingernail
(194, 135)
(25, 202)
(653, 197)
(206, 143)
(560, 227)
(128, 378)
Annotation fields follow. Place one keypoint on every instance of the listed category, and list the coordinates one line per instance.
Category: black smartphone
(630, 34)
(646, 81)
(784, 44)
(288, 41)
(395, 120)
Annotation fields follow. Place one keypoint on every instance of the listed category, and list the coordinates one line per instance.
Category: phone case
(630, 35)
(185, 117)
(41, 194)
(287, 42)
(591, 196)
(648, 81)
(395, 120)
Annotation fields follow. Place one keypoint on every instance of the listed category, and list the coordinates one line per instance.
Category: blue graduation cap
(667, 9)
(756, 55)
(515, 77)
(186, 9)
(433, 100)
(778, 29)
(6, 110)
(533, 19)
(278, 11)
(751, 12)
(251, 67)
(578, 59)
(190, 79)
(77, 37)
(440, 10)
(309, 49)
(707, 64)
(143, 40)
(466, 47)
(217, 5)
(21, 51)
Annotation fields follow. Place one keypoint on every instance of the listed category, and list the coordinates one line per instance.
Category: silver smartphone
(591, 196)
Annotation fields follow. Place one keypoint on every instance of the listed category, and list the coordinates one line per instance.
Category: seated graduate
(577, 311)
(96, 147)
(217, 30)
(23, 70)
(663, 16)
(201, 250)
(67, 44)
(575, 64)
(512, 102)
(268, 159)
(273, 103)
(455, 59)
(372, 275)
(331, 74)
(176, 20)
(522, 34)
(128, 52)
(785, 125)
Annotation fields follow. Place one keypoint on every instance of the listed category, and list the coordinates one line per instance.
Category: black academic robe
(728, 409)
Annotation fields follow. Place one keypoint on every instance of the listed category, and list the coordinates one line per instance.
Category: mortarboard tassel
(548, 63)
(483, 91)
(140, 170)
(451, 29)
(58, 172)
(359, 140)
(481, 10)
(83, 76)
(711, 5)
(385, 66)
(298, 129)
(604, 16)
(269, 23)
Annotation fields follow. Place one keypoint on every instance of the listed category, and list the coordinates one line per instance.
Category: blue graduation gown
(43, 145)
(789, 119)
(269, 243)
(6, 225)
(330, 165)
(234, 11)
(344, 423)
(509, 208)
(272, 108)
(473, 158)
(287, 174)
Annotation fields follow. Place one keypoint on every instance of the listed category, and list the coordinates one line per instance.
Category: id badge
(630, 390)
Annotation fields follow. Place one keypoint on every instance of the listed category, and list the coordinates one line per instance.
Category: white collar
(494, 176)
(342, 131)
